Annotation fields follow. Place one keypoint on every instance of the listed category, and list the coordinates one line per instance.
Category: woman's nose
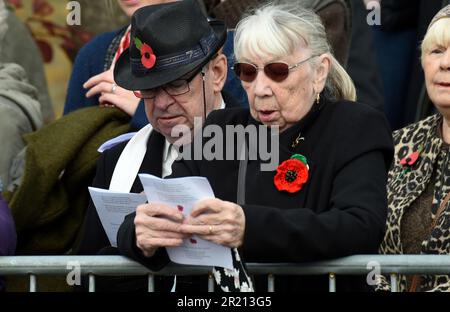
(262, 84)
(445, 61)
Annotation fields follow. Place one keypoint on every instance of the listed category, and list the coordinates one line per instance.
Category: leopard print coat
(404, 188)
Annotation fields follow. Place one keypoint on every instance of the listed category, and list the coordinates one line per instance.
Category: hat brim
(125, 78)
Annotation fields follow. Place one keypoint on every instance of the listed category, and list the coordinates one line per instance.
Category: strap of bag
(415, 282)
(241, 175)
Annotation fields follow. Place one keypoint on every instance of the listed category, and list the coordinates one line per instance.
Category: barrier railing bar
(394, 282)
(91, 282)
(391, 265)
(151, 283)
(270, 283)
(33, 283)
(111, 265)
(332, 282)
(210, 282)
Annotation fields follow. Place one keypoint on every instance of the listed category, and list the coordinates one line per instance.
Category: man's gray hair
(3, 24)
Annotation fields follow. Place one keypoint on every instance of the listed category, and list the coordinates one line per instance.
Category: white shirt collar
(169, 156)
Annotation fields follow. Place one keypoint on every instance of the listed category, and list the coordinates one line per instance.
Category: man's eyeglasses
(277, 71)
(176, 87)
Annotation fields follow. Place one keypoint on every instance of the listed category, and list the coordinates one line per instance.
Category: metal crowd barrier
(390, 265)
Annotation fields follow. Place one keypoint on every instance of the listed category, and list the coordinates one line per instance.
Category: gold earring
(318, 98)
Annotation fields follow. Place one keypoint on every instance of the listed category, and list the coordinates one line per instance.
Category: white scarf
(128, 165)
(130, 161)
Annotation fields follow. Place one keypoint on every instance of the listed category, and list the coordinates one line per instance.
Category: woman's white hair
(3, 24)
(279, 30)
(438, 34)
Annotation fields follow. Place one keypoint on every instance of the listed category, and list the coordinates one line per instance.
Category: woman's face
(285, 103)
(436, 66)
(130, 6)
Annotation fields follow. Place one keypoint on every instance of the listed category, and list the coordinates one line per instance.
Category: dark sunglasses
(277, 71)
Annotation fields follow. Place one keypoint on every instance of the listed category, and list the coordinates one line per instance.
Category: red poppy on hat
(148, 58)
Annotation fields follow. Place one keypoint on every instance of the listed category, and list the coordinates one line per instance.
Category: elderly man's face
(166, 111)
(436, 66)
(283, 103)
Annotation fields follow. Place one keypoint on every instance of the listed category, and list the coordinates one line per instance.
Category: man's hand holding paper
(166, 220)
(158, 225)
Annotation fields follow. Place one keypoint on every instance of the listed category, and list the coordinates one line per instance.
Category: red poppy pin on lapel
(292, 174)
(408, 161)
(411, 159)
(148, 58)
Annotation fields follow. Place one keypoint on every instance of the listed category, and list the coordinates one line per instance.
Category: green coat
(49, 204)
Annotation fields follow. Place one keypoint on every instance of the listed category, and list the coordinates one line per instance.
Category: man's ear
(219, 72)
(322, 70)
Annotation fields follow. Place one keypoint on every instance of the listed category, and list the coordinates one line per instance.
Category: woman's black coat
(340, 211)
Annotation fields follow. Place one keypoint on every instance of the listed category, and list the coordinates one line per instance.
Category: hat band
(198, 52)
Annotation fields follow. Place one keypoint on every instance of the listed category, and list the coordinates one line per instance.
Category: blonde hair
(279, 30)
(437, 35)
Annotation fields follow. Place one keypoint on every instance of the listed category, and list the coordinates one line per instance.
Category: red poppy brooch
(148, 58)
(408, 161)
(411, 159)
(292, 174)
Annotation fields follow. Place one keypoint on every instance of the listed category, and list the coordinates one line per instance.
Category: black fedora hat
(167, 42)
